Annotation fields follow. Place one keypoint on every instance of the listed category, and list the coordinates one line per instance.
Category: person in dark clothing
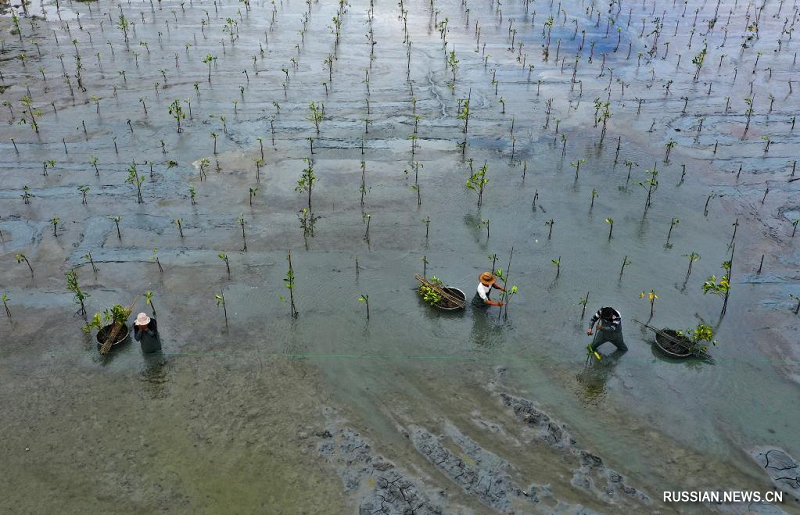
(145, 331)
(609, 329)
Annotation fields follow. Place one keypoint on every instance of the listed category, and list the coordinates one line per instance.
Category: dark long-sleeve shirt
(610, 325)
(148, 336)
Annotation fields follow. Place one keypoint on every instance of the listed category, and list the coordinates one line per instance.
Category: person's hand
(599, 326)
(501, 304)
(589, 332)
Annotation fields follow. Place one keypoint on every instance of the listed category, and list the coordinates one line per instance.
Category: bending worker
(487, 281)
(609, 329)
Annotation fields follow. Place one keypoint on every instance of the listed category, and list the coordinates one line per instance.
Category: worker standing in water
(609, 329)
(145, 331)
(486, 282)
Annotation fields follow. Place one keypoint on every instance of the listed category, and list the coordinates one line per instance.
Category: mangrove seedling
(650, 184)
(22, 258)
(307, 180)
(55, 221)
(693, 256)
(794, 226)
(671, 143)
(148, 299)
(220, 297)
(78, 295)
(427, 222)
(625, 262)
(708, 199)
(136, 179)
(288, 281)
(224, 257)
(577, 166)
(316, 114)
(154, 257)
(27, 195)
(486, 224)
(116, 220)
(557, 263)
(610, 222)
(253, 192)
(478, 181)
(84, 190)
(594, 196)
(720, 287)
(550, 223)
(795, 297)
(4, 298)
(91, 261)
(652, 297)
(583, 302)
(240, 221)
(177, 113)
(179, 223)
(365, 299)
(192, 194)
(367, 218)
(672, 224)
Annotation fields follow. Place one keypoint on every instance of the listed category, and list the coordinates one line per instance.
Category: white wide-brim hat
(142, 319)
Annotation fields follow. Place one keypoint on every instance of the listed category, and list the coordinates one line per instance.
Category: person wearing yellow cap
(486, 282)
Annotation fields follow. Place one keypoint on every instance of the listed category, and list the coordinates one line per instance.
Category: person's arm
(486, 299)
(594, 320)
(498, 287)
(137, 333)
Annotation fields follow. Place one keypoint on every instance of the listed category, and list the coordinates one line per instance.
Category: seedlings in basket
(220, 298)
(652, 297)
(610, 222)
(5, 300)
(22, 258)
(148, 300)
(78, 295)
(477, 182)
(430, 294)
(692, 256)
(672, 224)
(365, 299)
(179, 223)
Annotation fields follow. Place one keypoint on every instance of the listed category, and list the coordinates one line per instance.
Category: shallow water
(229, 420)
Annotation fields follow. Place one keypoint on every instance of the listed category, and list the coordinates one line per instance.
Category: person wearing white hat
(145, 332)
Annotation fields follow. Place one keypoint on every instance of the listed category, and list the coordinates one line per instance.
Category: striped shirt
(613, 324)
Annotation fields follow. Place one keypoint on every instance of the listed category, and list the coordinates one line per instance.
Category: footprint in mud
(781, 467)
